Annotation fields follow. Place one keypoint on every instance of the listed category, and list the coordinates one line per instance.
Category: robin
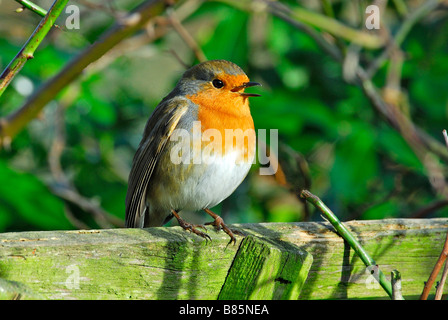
(208, 98)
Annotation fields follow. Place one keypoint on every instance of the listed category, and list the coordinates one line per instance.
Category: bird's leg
(191, 227)
(219, 224)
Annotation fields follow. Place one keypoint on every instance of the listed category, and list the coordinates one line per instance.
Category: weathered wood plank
(157, 263)
(266, 270)
(410, 245)
(169, 263)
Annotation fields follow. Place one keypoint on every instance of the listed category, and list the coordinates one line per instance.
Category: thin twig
(432, 277)
(442, 258)
(179, 59)
(57, 145)
(70, 194)
(445, 136)
(347, 236)
(402, 32)
(281, 11)
(106, 7)
(396, 285)
(78, 224)
(404, 125)
(330, 25)
(135, 20)
(32, 7)
(439, 290)
(186, 36)
(27, 51)
(426, 210)
(417, 138)
(154, 29)
(61, 185)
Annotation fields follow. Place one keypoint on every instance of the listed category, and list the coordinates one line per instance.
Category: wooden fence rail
(275, 261)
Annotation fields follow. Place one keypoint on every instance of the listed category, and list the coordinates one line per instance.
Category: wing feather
(158, 130)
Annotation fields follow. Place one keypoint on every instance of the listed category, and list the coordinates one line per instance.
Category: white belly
(194, 187)
(216, 183)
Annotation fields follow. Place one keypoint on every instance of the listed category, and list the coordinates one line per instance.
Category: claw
(192, 227)
(219, 224)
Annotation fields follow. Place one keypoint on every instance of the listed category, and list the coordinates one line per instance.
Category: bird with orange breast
(210, 96)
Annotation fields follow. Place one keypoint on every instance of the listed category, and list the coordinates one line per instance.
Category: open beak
(244, 86)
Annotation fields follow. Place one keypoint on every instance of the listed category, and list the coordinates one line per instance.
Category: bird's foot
(191, 227)
(219, 224)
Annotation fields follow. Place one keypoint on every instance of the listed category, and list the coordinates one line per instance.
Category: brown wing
(157, 132)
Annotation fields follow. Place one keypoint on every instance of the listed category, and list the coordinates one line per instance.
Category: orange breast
(226, 114)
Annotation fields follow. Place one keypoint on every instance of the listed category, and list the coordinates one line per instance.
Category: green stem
(337, 28)
(328, 9)
(27, 51)
(135, 20)
(347, 235)
(33, 7)
(412, 18)
(310, 18)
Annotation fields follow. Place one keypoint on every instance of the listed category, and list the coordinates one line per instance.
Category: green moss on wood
(266, 270)
(170, 263)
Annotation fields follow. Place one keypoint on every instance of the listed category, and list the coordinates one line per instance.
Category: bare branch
(426, 210)
(435, 271)
(61, 185)
(439, 290)
(186, 36)
(445, 136)
(134, 21)
(396, 285)
(402, 32)
(27, 51)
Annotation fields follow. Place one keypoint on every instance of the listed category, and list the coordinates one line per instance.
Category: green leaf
(381, 211)
(229, 38)
(393, 144)
(98, 108)
(355, 165)
(26, 203)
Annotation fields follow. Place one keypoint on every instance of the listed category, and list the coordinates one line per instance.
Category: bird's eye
(218, 83)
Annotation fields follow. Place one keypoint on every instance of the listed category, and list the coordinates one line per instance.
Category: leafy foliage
(359, 165)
